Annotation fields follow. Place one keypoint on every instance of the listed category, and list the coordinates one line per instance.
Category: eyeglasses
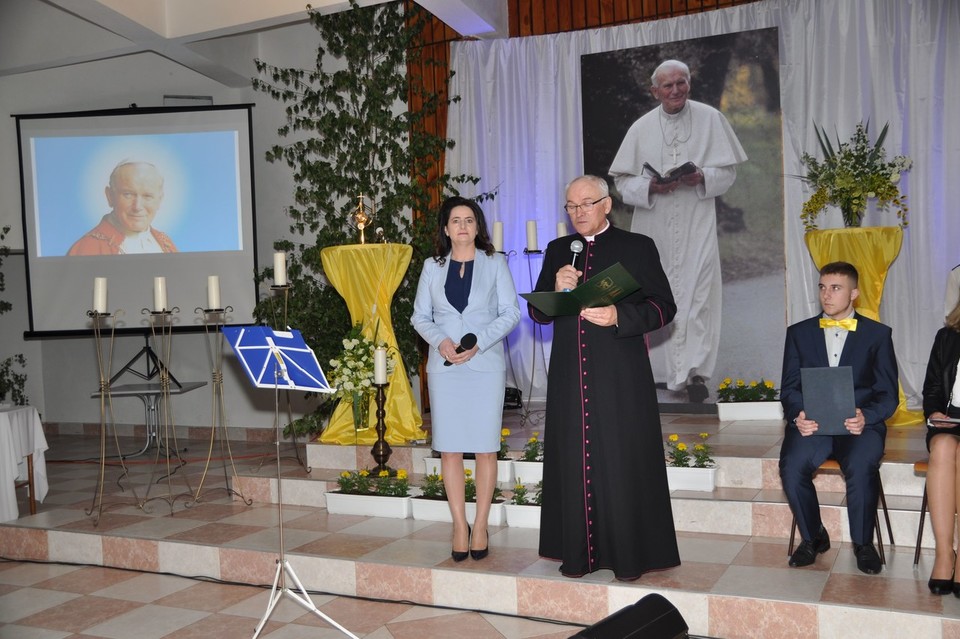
(572, 209)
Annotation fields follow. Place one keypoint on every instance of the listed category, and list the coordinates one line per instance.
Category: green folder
(606, 287)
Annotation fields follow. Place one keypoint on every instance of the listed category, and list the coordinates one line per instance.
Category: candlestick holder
(381, 450)
(213, 320)
(104, 363)
(161, 331)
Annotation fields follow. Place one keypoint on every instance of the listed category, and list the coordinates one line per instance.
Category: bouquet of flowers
(352, 374)
(741, 391)
(850, 174)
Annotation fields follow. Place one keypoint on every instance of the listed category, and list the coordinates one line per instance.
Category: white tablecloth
(21, 434)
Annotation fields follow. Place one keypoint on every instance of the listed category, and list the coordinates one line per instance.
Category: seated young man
(838, 337)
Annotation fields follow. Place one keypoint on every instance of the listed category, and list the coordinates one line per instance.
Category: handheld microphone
(576, 247)
(468, 341)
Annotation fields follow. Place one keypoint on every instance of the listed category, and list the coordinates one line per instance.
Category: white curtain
(518, 127)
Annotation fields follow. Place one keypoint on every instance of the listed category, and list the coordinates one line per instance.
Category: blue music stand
(277, 359)
(281, 359)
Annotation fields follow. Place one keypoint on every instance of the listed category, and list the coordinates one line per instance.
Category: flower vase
(361, 411)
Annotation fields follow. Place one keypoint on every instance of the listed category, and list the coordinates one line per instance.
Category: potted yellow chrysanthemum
(690, 467)
(362, 493)
(756, 399)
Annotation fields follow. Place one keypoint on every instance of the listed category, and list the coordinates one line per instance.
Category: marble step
(748, 499)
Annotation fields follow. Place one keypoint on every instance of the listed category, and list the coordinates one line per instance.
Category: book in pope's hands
(603, 289)
(673, 174)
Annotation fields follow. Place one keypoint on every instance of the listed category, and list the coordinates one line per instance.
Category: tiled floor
(56, 600)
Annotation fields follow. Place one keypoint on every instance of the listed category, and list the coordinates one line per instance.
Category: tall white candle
(280, 269)
(213, 291)
(380, 366)
(159, 294)
(498, 236)
(100, 295)
(561, 229)
(531, 235)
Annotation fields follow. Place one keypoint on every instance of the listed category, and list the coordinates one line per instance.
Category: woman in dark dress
(941, 400)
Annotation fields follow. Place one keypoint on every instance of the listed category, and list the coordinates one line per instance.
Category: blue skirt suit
(466, 401)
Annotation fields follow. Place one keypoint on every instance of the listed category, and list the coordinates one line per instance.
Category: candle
(159, 294)
(100, 295)
(380, 366)
(498, 236)
(531, 235)
(280, 269)
(213, 291)
(561, 229)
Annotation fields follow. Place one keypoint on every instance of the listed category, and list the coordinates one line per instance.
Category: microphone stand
(537, 330)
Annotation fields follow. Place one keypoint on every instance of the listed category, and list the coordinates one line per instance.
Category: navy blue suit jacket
(868, 351)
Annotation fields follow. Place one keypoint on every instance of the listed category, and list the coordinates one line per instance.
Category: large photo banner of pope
(713, 114)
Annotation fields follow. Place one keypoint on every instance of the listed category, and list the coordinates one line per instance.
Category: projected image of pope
(134, 194)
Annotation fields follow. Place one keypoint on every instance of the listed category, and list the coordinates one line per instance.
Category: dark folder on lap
(828, 397)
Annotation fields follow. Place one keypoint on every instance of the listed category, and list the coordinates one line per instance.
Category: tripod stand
(284, 569)
(275, 359)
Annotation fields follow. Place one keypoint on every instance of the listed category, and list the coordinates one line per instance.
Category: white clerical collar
(590, 238)
(678, 114)
(140, 243)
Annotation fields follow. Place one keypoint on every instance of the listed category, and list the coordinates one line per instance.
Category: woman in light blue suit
(466, 291)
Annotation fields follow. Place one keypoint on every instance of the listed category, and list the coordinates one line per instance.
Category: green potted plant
(690, 467)
(431, 504)
(523, 509)
(530, 465)
(361, 493)
(12, 378)
(756, 399)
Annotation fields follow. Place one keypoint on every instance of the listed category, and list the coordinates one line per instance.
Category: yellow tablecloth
(872, 250)
(367, 276)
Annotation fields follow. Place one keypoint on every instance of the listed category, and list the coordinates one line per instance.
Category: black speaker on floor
(653, 617)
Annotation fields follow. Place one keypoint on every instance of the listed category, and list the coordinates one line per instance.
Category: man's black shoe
(697, 391)
(806, 553)
(868, 560)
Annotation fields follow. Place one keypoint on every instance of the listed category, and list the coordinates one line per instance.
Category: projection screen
(131, 195)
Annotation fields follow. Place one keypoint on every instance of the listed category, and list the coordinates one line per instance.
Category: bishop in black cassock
(606, 503)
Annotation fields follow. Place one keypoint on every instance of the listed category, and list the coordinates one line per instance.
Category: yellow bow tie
(849, 324)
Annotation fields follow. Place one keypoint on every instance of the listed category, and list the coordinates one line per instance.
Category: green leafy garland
(349, 131)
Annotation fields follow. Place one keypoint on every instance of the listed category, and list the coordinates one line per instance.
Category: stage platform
(734, 580)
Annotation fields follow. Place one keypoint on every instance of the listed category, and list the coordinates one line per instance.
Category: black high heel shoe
(943, 586)
(480, 554)
(460, 555)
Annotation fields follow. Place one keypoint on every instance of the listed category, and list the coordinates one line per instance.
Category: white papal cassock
(684, 226)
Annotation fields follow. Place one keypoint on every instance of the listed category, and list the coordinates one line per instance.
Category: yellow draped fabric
(367, 276)
(872, 250)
